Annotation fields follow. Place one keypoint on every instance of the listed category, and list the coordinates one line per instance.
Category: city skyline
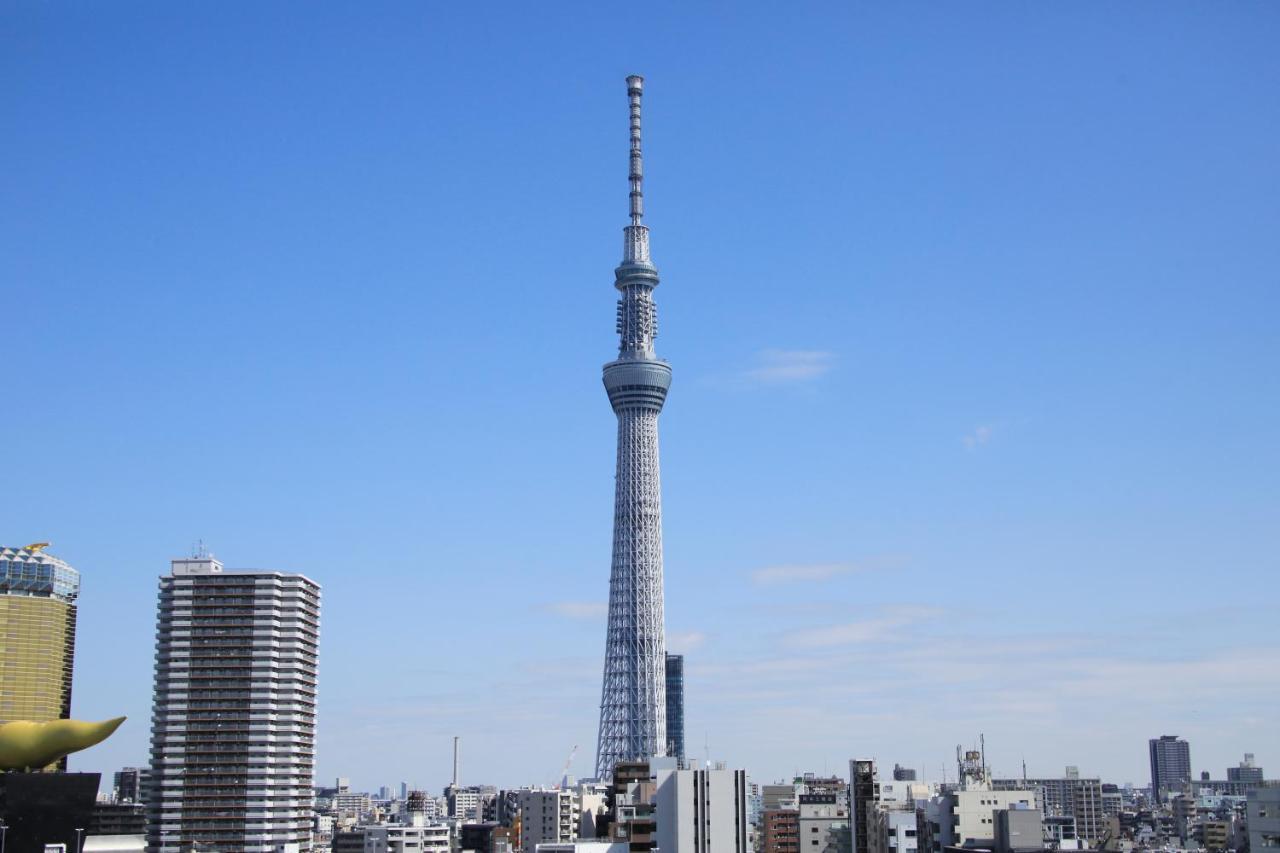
(973, 317)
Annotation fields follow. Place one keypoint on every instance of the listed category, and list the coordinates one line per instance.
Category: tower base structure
(42, 809)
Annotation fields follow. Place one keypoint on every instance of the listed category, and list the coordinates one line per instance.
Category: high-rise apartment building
(675, 706)
(1170, 765)
(633, 706)
(699, 811)
(546, 817)
(781, 831)
(38, 595)
(233, 724)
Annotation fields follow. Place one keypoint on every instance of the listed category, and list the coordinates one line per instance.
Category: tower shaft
(633, 693)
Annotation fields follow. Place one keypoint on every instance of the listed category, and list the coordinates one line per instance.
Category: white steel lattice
(633, 695)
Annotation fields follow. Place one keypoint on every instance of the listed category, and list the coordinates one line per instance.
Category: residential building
(893, 828)
(967, 817)
(1060, 832)
(1217, 835)
(781, 831)
(1170, 766)
(118, 819)
(675, 706)
(547, 816)
(1185, 811)
(1247, 771)
(1082, 798)
(38, 595)
(233, 723)
(778, 796)
(699, 810)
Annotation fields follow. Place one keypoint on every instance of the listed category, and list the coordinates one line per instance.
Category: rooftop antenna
(1024, 768)
(982, 740)
(199, 551)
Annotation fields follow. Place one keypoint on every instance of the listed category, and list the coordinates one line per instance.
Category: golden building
(37, 634)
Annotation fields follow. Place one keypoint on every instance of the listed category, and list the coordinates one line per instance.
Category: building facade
(233, 722)
(547, 816)
(1170, 765)
(1246, 772)
(633, 705)
(824, 824)
(38, 595)
(780, 831)
(675, 706)
(699, 811)
(131, 784)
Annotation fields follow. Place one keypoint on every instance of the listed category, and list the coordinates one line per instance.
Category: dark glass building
(675, 706)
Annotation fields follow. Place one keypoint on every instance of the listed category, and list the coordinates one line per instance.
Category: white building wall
(699, 811)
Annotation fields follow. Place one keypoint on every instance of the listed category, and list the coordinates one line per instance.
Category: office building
(1170, 766)
(864, 792)
(1018, 831)
(675, 706)
(38, 595)
(699, 811)
(903, 774)
(233, 724)
(824, 824)
(633, 705)
(1247, 772)
(131, 784)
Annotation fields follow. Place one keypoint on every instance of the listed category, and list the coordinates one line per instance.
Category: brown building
(781, 831)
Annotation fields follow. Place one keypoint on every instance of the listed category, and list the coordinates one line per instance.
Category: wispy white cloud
(980, 435)
(684, 642)
(797, 572)
(781, 366)
(891, 621)
(578, 609)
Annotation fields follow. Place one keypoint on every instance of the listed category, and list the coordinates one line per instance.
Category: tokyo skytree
(633, 705)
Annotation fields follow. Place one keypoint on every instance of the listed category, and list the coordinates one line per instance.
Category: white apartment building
(233, 719)
(547, 816)
(699, 811)
(406, 838)
(824, 824)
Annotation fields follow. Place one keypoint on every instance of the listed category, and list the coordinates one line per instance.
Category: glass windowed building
(675, 706)
(38, 595)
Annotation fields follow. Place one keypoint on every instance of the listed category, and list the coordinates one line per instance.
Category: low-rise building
(1263, 816)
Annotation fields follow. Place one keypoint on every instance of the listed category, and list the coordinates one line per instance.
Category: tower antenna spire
(635, 88)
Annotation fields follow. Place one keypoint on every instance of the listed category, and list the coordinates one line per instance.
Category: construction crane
(564, 774)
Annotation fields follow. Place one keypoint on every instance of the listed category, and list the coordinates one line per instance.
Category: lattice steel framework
(633, 706)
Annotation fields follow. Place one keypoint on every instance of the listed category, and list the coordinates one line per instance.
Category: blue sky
(972, 311)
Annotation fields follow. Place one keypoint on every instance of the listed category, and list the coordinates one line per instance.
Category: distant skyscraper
(675, 706)
(633, 705)
(37, 634)
(233, 724)
(903, 774)
(1170, 765)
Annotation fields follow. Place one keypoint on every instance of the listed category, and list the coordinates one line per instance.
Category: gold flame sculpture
(30, 746)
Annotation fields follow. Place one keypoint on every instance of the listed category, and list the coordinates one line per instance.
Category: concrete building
(903, 774)
(547, 816)
(1185, 813)
(1060, 832)
(967, 817)
(1246, 772)
(699, 811)
(1170, 765)
(1018, 830)
(824, 825)
(1081, 798)
(893, 829)
(233, 721)
(38, 595)
(778, 796)
(1262, 813)
(675, 706)
(1217, 835)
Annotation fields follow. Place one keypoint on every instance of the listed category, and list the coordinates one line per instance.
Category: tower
(675, 706)
(38, 595)
(233, 724)
(632, 698)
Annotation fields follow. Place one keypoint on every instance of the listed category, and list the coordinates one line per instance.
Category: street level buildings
(233, 722)
(633, 706)
(38, 595)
